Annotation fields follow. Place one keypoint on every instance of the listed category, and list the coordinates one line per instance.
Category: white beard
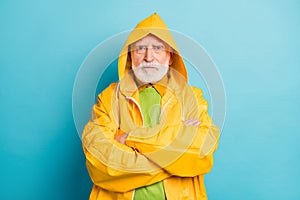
(150, 72)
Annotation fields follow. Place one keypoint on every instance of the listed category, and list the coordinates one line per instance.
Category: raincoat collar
(172, 82)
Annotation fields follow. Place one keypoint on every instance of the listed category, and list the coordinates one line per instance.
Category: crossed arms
(115, 159)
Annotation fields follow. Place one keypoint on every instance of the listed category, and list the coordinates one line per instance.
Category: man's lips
(149, 68)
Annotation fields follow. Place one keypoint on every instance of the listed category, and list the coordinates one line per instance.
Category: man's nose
(148, 55)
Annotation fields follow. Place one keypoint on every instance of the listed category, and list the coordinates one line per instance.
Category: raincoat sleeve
(181, 150)
(111, 165)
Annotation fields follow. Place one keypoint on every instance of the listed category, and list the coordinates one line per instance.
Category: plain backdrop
(255, 45)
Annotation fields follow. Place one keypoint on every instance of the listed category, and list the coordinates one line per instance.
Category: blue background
(255, 45)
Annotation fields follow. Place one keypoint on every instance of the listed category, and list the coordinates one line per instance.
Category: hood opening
(151, 25)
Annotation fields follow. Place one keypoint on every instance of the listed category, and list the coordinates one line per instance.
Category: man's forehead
(150, 39)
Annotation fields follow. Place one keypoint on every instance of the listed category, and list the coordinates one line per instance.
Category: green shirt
(150, 106)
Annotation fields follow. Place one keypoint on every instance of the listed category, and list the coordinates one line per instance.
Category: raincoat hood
(152, 25)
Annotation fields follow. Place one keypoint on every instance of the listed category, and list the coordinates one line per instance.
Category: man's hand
(192, 122)
(121, 138)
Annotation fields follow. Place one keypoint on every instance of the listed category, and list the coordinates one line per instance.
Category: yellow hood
(156, 26)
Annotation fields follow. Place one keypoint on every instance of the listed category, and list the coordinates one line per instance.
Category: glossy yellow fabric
(171, 152)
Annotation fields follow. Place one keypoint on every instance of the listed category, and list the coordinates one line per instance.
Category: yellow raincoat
(172, 152)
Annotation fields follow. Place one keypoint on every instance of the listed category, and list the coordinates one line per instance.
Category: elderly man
(150, 136)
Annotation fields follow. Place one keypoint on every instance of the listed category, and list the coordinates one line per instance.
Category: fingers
(192, 122)
(121, 138)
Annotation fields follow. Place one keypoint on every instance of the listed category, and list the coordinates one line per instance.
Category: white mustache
(153, 65)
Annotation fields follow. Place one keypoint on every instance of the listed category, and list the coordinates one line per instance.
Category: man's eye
(140, 48)
(158, 47)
